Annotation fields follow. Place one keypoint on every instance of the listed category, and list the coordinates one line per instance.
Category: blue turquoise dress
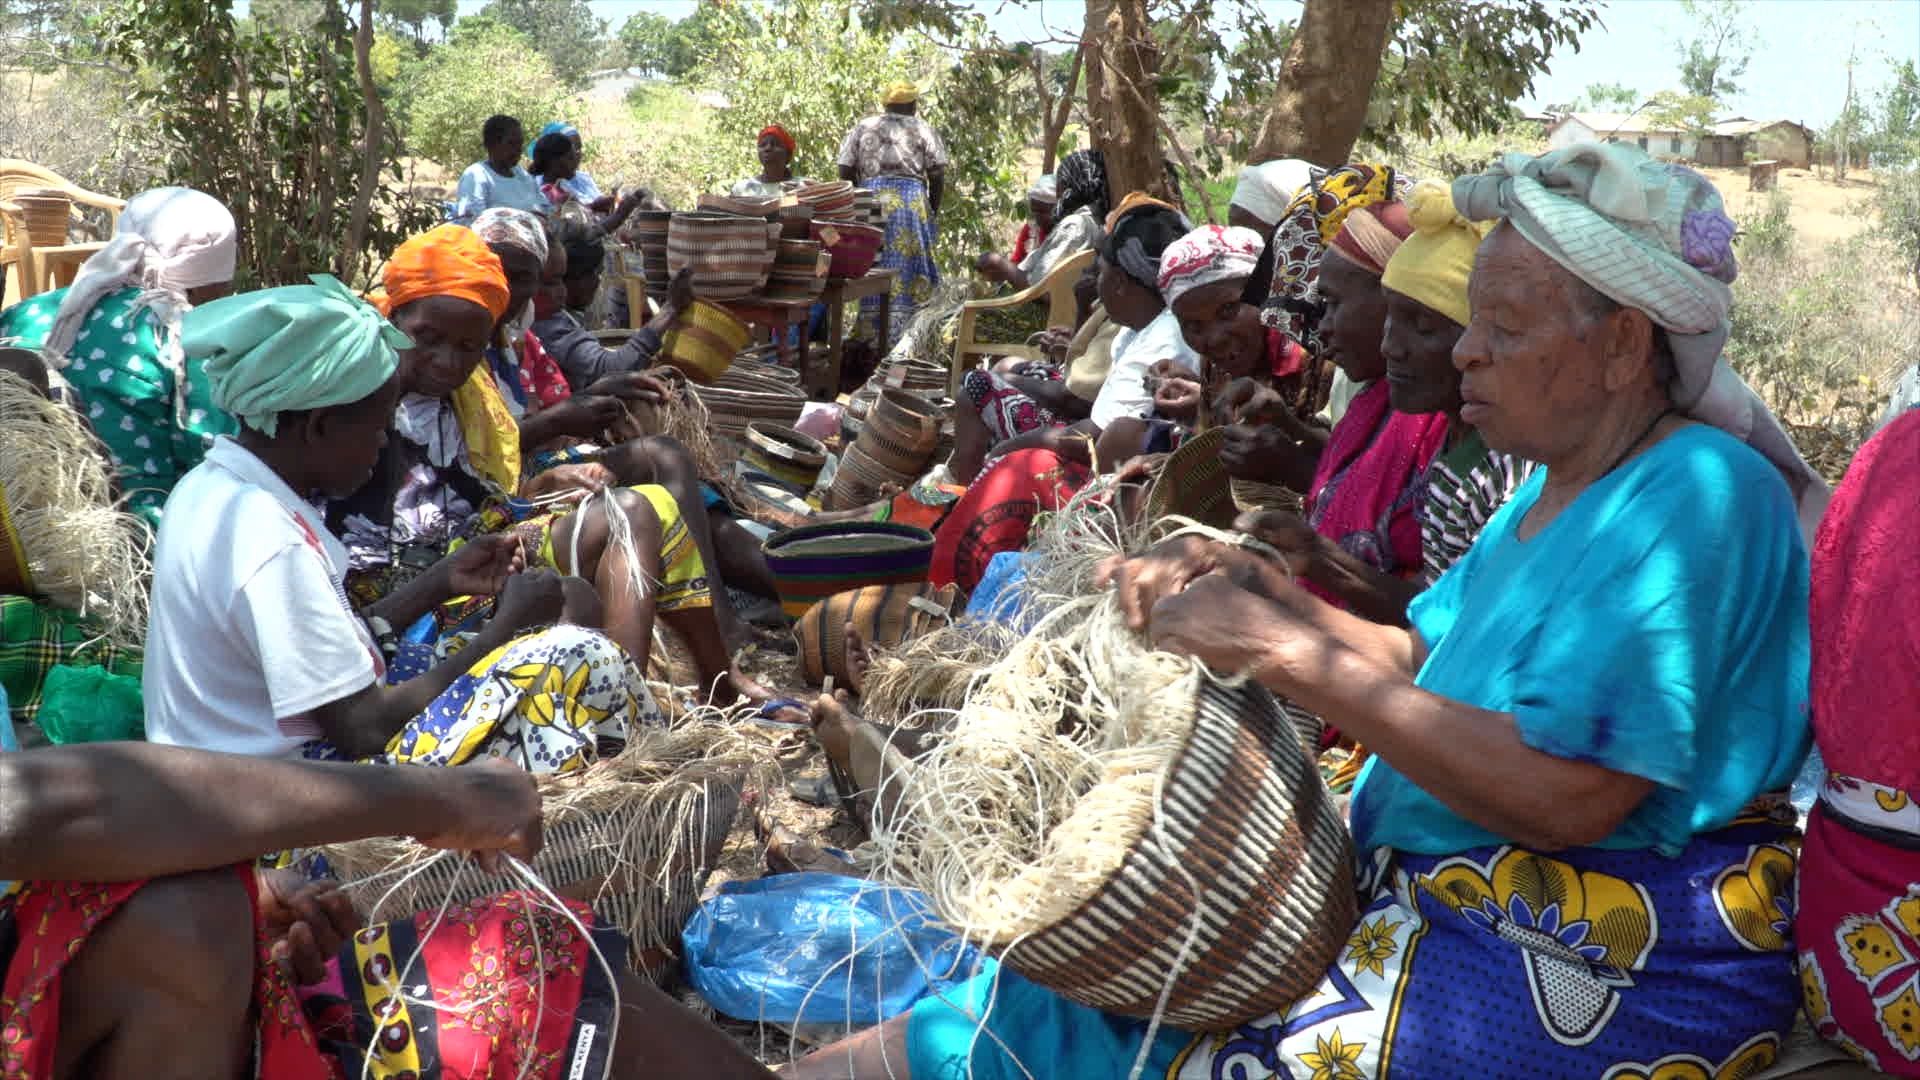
(1657, 626)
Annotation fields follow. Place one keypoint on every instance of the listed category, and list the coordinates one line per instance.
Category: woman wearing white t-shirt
(252, 646)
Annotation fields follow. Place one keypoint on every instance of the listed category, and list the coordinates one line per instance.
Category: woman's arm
(123, 811)
(364, 722)
(1471, 759)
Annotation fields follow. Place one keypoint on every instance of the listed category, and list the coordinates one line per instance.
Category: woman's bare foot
(737, 688)
(833, 729)
(859, 659)
(787, 853)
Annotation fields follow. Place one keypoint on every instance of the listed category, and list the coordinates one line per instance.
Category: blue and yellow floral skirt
(551, 702)
(1494, 962)
(907, 248)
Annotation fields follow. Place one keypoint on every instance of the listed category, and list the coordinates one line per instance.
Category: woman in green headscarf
(252, 646)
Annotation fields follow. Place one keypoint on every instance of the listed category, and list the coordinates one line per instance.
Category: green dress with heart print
(115, 370)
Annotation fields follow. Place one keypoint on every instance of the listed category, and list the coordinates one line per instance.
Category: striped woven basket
(900, 431)
(1193, 483)
(861, 479)
(586, 855)
(883, 615)
(1253, 495)
(853, 247)
(48, 211)
(813, 562)
(730, 255)
(703, 341)
(737, 400)
(1234, 904)
(784, 454)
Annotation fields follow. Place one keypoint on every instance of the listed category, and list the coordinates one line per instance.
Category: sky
(1798, 70)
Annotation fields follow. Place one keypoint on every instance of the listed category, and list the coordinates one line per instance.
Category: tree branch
(1057, 123)
(369, 146)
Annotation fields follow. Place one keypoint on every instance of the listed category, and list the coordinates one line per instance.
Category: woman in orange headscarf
(453, 470)
(775, 150)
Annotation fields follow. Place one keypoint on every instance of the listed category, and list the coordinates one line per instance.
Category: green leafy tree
(1607, 97)
(648, 40)
(1714, 59)
(564, 31)
(483, 69)
(270, 123)
(1674, 110)
(414, 15)
(1898, 137)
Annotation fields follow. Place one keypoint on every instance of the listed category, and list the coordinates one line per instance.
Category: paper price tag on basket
(897, 376)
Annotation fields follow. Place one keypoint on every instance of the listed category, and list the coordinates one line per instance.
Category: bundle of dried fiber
(683, 418)
(634, 835)
(61, 535)
(1128, 828)
(934, 670)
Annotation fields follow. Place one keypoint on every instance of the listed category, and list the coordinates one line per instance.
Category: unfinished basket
(1240, 901)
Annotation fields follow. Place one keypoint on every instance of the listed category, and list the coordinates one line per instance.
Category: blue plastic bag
(821, 949)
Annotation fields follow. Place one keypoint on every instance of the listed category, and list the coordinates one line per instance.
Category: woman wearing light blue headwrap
(252, 645)
(579, 185)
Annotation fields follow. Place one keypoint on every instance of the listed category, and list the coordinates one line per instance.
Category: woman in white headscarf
(114, 335)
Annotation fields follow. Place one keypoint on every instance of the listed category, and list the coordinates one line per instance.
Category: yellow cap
(1432, 265)
(901, 93)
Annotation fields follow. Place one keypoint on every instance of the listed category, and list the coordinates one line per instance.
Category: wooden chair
(1056, 288)
(24, 276)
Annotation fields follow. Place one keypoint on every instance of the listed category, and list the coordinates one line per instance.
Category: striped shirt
(1465, 485)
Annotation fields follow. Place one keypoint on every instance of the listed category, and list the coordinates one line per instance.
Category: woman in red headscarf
(775, 149)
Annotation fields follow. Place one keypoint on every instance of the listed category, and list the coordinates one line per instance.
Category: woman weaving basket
(1568, 866)
(453, 470)
(141, 941)
(252, 647)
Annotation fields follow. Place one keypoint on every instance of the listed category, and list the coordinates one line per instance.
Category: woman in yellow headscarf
(453, 470)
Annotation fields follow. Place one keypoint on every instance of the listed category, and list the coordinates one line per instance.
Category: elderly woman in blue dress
(1569, 863)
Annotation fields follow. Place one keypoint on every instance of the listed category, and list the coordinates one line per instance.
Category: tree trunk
(1123, 98)
(1320, 106)
(1056, 120)
(369, 147)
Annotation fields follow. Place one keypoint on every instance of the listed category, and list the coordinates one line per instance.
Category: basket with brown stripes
(1235, 904)
(1129, 830)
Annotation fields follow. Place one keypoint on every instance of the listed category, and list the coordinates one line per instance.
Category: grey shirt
(581, 356)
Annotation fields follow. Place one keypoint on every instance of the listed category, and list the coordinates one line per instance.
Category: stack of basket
(831, 199)
(730, 254)
(648, 232)
(738, 398)
(799, 271)
(896, 444)
(866, 207)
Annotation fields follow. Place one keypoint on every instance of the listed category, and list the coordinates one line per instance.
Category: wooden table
(838, 292)
(778, 316)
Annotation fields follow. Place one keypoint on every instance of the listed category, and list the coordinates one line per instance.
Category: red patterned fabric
(997, 512)
(514, 981)
(1864, 612)
(1370, 479)
(1858, 934)
(540, 375)
(1025, 241)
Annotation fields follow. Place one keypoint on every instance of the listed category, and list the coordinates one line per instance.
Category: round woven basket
(1233, 903)
(813, 562)
(785, 454)
(883, 615)
(738, 400)
(1193, 483)
(901, 430)
(744, 207)
(703, 341)
(861, 479)
(852, 246)
(730, 255)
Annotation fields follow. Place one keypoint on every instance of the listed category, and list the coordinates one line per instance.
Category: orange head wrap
(780, 133)
(448, 260)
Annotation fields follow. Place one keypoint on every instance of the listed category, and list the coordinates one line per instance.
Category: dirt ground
(1825, 211)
